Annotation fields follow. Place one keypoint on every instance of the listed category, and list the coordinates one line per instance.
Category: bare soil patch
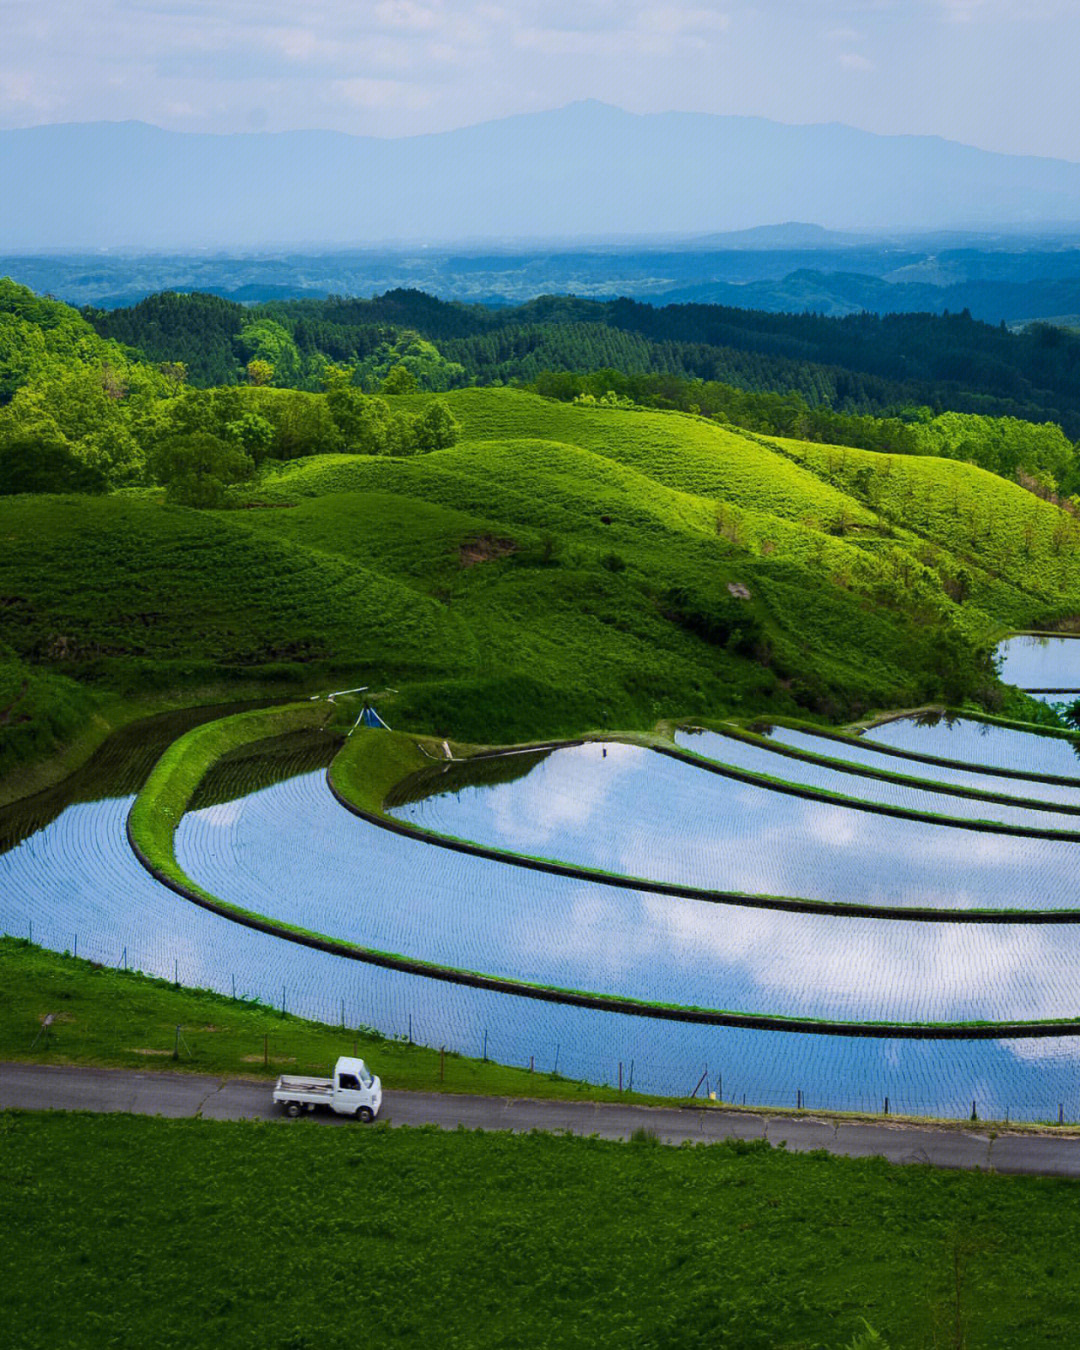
(485, 548)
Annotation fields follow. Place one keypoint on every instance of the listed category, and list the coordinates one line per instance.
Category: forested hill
(862, 363)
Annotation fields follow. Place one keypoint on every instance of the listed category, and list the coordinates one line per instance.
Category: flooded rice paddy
(859, 751)
(980, 744)
(265, 833)
(76, 880)
(761, 759)
(384, 890)
(1032, 662)
(630, 810)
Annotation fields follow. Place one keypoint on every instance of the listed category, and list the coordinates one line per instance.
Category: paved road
(47, 1087)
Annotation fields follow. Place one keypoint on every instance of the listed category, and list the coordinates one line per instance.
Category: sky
(999, 74)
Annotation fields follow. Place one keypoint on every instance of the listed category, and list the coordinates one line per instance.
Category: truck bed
(296, 1087)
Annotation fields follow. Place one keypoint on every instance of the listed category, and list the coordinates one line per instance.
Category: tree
(77, 405)
(30, 462)
(267, 341)
(252, 433)
(401, 434)
(436, 427)
(196, 469)
(336, 377)
(302, 422)
(175, 373)
(259, 372)
(400, 380)
(361, 419)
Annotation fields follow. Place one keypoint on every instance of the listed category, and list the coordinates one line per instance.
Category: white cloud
(1027, 11)
(368, 94)
(21, 88)
(407, 15)
(995, 72)
(297, 44)
(657, 30)
(222, 815)
(677, 19)
(961, 11)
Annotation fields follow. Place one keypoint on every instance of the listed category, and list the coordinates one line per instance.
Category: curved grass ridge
(362, 788)
(940, 761)
(811, 793)
(156, 812)
(939, 785)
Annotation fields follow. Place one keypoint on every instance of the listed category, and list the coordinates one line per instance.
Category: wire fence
(970, 1080)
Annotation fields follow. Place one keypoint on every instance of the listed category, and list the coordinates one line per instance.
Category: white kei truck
(353, 1091)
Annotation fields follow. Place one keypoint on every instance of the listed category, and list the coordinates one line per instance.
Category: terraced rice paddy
(77, 876)
(265, 833)
(630, 810)
(386, 891)
(760, 759)
(1032, 662)
(868, 754)
(980, 744)
(118, 767)
(76, 881)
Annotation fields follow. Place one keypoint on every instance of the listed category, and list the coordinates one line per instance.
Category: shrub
(196, 469)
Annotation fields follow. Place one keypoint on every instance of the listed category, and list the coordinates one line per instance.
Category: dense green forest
(970, 391)
(81, 413)
(862, 363)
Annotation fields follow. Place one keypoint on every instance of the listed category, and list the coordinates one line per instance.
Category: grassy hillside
(37, 711)
(981, 520)
(106, 587)
(561, 567)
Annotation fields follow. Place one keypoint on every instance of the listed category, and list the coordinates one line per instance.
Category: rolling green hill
(561, 567)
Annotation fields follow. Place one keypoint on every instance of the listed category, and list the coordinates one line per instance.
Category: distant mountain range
(587, 171)
(838, 293)
(1027, 280)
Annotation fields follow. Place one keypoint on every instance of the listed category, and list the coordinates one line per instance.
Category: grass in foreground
(121, 1019)
(135, 1231)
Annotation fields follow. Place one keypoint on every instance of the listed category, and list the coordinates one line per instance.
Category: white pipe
(360, 689)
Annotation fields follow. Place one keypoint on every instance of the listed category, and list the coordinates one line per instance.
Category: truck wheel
(293, 1109)
(365, 1115)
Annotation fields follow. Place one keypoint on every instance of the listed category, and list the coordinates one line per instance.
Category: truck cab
(355, 1088)
(353, 1091)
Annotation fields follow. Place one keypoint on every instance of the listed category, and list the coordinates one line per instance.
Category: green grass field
(560, 568)
(133, 1231)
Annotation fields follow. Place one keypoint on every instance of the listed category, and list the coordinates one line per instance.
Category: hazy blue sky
(995, 73)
